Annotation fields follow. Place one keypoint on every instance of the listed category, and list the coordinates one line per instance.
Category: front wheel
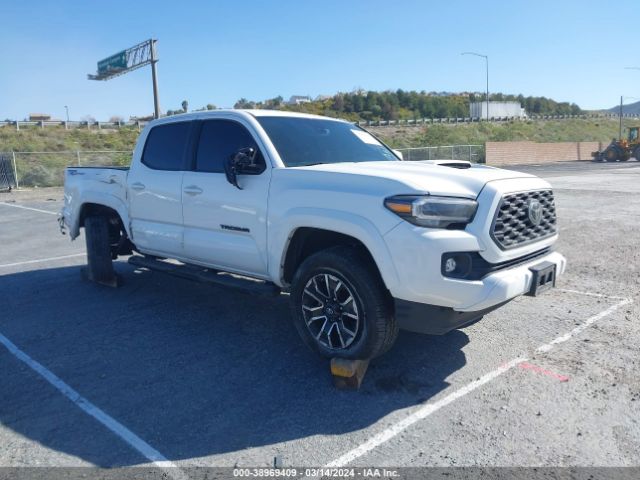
(611, 154)
(340, 306)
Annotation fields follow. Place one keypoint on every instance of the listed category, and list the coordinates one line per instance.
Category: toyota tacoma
(363, 242)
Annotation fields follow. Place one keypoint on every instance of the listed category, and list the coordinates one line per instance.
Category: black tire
(100, 263)
(636, 153)
(376, 329)
(611, 154)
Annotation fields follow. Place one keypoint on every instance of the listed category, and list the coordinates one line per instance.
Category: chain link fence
(46, 169)
(471, 153)
(7, 172)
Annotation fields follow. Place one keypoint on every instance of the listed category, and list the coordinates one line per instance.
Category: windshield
(310, 141)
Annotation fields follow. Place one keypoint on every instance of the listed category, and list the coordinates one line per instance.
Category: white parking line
(420, 414)
(429, 408)
(116, 427)
(589, 321)
(28, 208)
(589, 294)
(40, 260)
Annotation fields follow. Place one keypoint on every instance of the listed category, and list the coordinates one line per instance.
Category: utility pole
(626, 68)
(622, 98)
(620, 129)
(67, 109)
(486, 59)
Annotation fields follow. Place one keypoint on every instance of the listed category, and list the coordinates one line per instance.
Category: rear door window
(165, 147)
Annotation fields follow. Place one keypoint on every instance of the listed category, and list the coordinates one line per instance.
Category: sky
(218, 51)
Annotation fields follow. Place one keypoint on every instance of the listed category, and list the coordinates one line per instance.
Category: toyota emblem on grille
(534, 211)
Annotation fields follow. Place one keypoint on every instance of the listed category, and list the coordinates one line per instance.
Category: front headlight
(434, 212)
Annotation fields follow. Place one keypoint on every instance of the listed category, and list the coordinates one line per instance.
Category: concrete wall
(508, 153)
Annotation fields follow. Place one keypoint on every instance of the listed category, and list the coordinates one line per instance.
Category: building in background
(496, 110)
(298, 99)
(39, 117)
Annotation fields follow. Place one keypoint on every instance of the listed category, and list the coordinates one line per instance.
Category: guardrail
(464, 120)
(140, 124)
(470, 153)
(18, 124)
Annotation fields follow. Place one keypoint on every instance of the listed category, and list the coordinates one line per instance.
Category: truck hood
(423, 177)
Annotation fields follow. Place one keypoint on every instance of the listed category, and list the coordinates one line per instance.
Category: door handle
(138, 186)
(192, 190)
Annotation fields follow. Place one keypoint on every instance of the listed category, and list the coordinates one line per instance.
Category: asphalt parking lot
(93, 376)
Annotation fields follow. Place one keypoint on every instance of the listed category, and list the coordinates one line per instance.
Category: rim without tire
(330, 311)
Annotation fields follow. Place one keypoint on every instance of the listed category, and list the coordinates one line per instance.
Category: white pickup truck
(363, 242)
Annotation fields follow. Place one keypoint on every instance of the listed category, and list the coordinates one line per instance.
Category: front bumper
(424, 292)
(434, 320)
(494, 291)
(417, 254)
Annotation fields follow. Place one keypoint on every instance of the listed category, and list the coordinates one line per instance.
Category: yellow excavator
(622, 149)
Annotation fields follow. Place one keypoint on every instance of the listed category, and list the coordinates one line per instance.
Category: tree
(404, 104)
(244, 103)
(185, 106)
(211, 106)
(338, 103)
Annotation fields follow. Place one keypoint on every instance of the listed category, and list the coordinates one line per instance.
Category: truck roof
(240, 112)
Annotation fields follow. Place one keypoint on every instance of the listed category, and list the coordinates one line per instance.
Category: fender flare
(105, 200)
(353, 225)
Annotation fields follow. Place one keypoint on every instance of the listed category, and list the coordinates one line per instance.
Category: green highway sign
(114, 62)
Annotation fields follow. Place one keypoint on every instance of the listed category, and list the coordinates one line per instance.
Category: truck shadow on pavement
(192, 369)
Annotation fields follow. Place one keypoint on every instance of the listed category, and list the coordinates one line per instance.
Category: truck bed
(101, 185)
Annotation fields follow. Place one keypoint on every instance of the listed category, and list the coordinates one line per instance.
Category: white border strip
(28, 208)
(116, 427)
(50, 259)
(429, 408)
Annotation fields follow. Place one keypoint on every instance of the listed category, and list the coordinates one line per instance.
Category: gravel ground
(210, 377)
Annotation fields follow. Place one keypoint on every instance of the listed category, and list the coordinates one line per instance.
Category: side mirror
(398, 154)
(243, 161)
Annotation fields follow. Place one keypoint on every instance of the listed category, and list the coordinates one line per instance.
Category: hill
(569, 130)
(629, 109)
(47, 169)
(55, 139)
(400, 104)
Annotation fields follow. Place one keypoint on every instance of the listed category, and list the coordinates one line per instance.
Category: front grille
(515, 226)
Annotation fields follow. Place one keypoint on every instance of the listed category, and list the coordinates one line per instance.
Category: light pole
(67, 109)
(486, 59)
